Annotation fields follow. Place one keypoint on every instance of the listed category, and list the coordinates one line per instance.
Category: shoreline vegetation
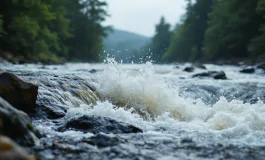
(54, 32)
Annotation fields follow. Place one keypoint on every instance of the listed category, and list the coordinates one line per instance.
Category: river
(181, 117)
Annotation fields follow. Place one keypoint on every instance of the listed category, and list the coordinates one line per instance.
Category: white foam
(149, 92)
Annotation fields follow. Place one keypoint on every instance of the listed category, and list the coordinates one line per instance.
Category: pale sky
(140, 16)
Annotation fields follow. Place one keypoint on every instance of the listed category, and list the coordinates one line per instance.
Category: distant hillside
(119, 40)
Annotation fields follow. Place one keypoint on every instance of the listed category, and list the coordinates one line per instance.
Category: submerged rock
(20, 94)
(212, 74)
(16, 124)
(188, 69)
(52, 112)
(96, 124)
(248, 69)
(11, 151)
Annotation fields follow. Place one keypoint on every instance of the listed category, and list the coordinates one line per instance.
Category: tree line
(212, 30)
(52, 30)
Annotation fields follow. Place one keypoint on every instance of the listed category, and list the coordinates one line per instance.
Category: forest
(52, 31)
(213, 30)
(72, 30)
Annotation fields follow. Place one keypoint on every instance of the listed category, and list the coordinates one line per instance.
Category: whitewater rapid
(165, 102)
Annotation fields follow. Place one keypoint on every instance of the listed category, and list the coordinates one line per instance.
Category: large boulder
(20, 94)
(95, 124)
(16, 124)
(9, 150)
(52, 112)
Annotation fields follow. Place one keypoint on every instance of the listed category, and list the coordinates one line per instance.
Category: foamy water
(159, 99)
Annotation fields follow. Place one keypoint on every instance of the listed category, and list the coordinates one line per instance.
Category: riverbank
(41, 58)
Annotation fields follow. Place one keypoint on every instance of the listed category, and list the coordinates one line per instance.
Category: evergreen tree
(87, 43)
(257, 45)
(186, 44)
(232, 25)
(49, 29)
(161, 40)
(1, 24)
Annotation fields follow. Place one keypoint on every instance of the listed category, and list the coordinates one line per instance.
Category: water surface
(181, 117)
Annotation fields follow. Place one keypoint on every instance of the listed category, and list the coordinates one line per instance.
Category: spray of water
(151, 97)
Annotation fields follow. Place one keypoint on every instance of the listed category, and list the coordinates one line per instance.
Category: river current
(181, 117)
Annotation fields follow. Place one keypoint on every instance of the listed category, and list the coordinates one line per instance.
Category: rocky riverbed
(116, 111)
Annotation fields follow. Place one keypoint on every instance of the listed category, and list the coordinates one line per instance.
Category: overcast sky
(140, 16)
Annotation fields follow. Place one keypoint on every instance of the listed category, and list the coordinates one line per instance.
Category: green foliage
(87, 43)
(186, 44)
(219, 29)
(160, 42)
(1, 24)
(34, 28)
(257, 46)
(231, 26)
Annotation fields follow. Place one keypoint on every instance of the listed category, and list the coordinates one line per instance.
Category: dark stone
(51, 112)
(16, 124)
(20, 94)
(212, 74)
(248, 69)
(96, 124)
(188, 69)
(219, 75)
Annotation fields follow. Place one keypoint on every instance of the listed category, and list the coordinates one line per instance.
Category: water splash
(151, 96)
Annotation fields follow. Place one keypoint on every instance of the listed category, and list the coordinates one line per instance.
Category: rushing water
(181, 117)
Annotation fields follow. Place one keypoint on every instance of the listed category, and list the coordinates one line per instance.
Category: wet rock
(212, 74)
(20, 94)
(96, 124)
(188, 69)
(219, 75)
(11, 151)
(52, 112)
(16, 124)
(248, 69)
